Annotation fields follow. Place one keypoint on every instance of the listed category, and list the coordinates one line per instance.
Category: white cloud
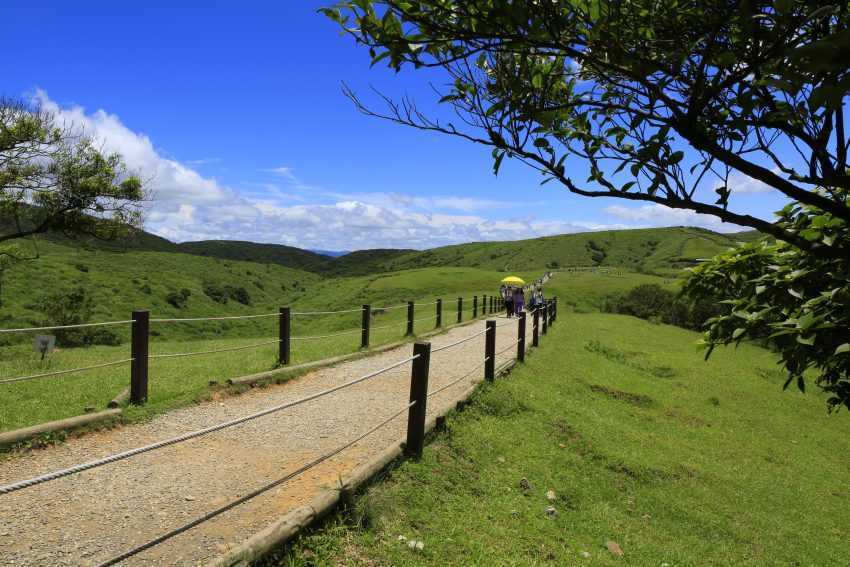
(191, 206)
(283, 171)
(740, 183)
(654, 215)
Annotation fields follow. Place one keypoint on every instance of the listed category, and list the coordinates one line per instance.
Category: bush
(239, 294)
(74, 307)
(216, 293)
(178, 299)
(224, 294)
(654, 303)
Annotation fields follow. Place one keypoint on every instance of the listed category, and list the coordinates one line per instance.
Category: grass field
(676, 460)
(179, 381)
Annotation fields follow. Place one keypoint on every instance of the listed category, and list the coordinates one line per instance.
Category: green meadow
(121, 281)
(675, 460)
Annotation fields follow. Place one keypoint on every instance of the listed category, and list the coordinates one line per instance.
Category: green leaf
(676, 157)
(843, 348)
(809, 341)
(497, 162)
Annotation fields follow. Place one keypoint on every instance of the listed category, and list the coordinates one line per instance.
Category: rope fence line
(311, 337)
(15, 486)
(200, 352)
(509, 347)
(77, 326)
(253, 494)
(419, 395)
(391, 307)
(425, 318)
(460, 342)
(214, 318)
(453, 382)
(58, 372)
(375, 328)
(230, 317)
(358, 310)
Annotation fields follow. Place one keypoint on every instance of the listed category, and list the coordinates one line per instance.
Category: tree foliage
(799, 303)
(55, 178)
(659, 102)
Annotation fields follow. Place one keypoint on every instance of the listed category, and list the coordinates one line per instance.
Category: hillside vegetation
(662, 250)
(659, 250)
(675, 460)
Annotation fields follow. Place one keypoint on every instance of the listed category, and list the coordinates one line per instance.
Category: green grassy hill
(288, 256)
(659, 250)
(662, 250)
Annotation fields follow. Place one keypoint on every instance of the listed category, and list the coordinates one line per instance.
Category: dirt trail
(92, 516)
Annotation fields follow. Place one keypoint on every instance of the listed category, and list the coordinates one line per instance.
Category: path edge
(293, 522)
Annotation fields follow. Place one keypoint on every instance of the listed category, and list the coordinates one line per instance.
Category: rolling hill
(661, 250)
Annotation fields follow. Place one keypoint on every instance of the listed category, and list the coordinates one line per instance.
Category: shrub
(239, 294)
(216, 293)
(178, 299)
(74, 307)
(223, 294)
(654, 303)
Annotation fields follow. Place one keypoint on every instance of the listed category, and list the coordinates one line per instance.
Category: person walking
(519, 301)
(509, 302)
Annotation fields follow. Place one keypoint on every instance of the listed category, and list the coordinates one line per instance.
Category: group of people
(514, 297)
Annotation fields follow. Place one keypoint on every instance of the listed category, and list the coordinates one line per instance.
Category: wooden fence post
(544, 309)
(459, 309)
(554, 308)
(439, 313)
(139, 354)
(418, 394)
(491, 304)
(409, 318)
(284, 319)
(364, 326)
(490, 351)
(535, 327)
(474, 306)
(520, 351)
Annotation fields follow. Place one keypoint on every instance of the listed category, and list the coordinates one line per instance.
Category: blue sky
(234, 113)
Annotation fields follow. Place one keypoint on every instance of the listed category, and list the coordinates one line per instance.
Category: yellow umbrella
(513, 280)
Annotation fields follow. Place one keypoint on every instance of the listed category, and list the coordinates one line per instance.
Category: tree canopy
(657, 102)
(55, 178)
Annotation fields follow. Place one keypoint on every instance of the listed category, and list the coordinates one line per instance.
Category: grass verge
(705, 463)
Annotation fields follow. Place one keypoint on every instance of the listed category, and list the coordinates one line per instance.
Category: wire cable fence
(254, 493)
(69, 371)
(20, 485)
(460, 342)
(455, 381)
(307, 313)
(58, 327)
(417, 408)
(316, 337)
(214, 351)
(224, 318)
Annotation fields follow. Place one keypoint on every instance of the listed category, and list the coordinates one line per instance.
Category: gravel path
(92, 516)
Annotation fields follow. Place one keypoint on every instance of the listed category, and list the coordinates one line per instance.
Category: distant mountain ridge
(330, 253)
(651, 249)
